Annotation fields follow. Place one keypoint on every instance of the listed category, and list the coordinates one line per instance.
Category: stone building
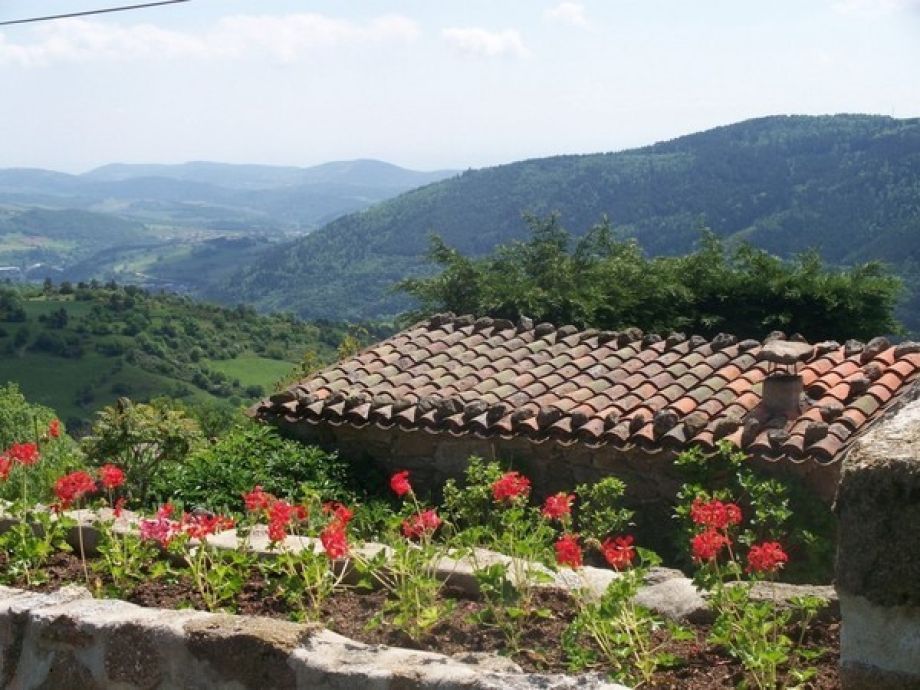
(567, 406)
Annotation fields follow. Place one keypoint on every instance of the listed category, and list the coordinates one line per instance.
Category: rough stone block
(878, 557)
(878, 504)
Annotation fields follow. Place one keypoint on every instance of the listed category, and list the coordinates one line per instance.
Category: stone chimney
(782, 389)
(782, 394)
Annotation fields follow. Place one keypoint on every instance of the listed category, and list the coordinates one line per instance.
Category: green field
(252, 370)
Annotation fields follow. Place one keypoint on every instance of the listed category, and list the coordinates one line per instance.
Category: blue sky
(433, 84)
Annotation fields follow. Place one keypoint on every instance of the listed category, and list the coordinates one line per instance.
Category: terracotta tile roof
(490, 377)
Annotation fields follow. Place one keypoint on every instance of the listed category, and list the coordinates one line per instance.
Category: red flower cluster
(715, 514)
(54, 428)
(334, 540)
(72, 487)
(568, 552)
(200, 525)
(399, 482)
(766, 558)
(257, 499)
(558, 506)
(715, 517)
(619, 552)
(706, 545)
(425, 523)
(511, 485)
(338, 511)
(24, 453)
(111, 477)
(280, 516)
(334, 536)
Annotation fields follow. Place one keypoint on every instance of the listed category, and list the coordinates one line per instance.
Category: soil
(701, 665)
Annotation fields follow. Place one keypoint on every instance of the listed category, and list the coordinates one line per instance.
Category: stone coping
(67, 639)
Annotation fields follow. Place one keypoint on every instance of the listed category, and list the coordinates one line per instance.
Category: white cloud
(572, 13)
(483, 43)
(281, 37)
(876, 7)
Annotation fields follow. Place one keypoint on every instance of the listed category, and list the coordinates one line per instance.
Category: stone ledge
(67, 639)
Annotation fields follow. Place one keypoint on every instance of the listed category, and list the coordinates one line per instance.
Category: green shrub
(24, 422)
(142, 439)
(216, 476)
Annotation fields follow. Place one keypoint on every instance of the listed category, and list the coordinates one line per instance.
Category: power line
(123, 8)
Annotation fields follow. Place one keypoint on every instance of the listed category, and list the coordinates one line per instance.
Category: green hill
(76, 349)
(848, 185)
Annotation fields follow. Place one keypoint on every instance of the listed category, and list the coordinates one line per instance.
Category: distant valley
(175, 226)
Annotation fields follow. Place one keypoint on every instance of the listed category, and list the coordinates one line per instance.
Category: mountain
(362, 173)
(848, 185)
(130, 222)
(204, 193)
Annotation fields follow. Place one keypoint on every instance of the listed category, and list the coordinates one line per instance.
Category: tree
(606, 282)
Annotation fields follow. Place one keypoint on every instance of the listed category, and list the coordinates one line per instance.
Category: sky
(432, 84)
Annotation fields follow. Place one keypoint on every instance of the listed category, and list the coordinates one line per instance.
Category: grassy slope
(76, 387)
(252, 369)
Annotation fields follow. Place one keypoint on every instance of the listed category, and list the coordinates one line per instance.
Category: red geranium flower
(6, 465)
(619, 552)
(24, 453)
(568, 552)
(715, 514)
(558, 506)
(510, 486)
(72, 487)
(426, 522)
(111, 477)
(338, 511)
(706, 546)
(334, 540)
(766, 558)
(399, 482)
(199, 526)
(257, 499)
(119, 507)
(280, 515)
(54, 428)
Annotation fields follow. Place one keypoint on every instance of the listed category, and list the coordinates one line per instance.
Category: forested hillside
(846, 185)
(77, 348)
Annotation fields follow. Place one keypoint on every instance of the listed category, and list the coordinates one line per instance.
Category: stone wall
(878, 562)
(652, 480)
(68, 641)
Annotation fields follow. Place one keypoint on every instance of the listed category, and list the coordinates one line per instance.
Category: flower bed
(539, 605)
